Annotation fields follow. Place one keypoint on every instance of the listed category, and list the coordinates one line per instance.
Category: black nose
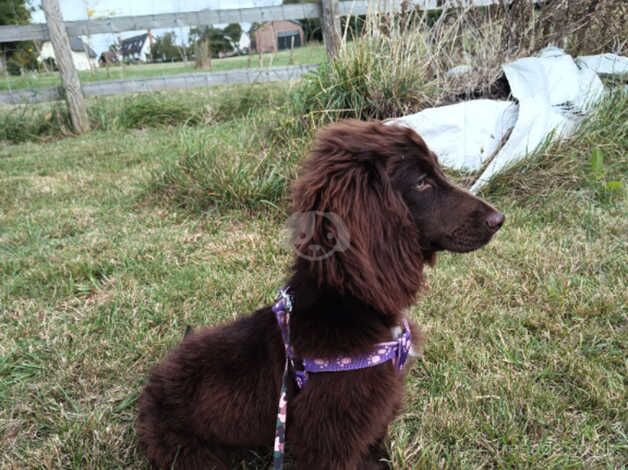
(495, 220)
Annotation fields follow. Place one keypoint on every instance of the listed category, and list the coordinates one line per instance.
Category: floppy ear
(347, 212)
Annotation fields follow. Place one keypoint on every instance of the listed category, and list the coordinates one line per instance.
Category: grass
(221, 166)
(112, 242)
(398, 65)
(50, 121)
(311, 54)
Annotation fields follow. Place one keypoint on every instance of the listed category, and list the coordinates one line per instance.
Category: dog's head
(372, 205)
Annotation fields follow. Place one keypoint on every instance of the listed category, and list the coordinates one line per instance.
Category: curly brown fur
(217, 392)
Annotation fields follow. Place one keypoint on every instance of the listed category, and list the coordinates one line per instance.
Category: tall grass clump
(399, 63)
(190, 108)
(145, 110)
(226, 165)
(34, 122)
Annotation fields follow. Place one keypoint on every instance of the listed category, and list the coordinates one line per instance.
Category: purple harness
(396, 351)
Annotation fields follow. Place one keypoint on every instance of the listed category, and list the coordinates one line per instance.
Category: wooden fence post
(63, 57)
(331, 32)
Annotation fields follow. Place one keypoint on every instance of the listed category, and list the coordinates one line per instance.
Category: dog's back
(217, 389)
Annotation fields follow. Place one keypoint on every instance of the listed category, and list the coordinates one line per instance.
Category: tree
(219, 40)
(165, 49)
(234, 31)
(22, 55)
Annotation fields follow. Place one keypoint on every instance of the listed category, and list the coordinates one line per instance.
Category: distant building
(276, 36)
(137, 48)
(83, 56)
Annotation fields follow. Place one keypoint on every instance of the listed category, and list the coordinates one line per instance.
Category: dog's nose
(495, 220)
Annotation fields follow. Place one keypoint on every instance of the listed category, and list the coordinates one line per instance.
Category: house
(137, 48)
(83, 56)
(277, 35)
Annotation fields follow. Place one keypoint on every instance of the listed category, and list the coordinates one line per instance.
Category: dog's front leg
(377, 458)
(337, 420)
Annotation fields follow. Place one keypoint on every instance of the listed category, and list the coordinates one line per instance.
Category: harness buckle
(404, 345)
(300, 374)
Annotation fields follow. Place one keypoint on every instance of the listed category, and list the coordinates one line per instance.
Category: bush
(398, 66)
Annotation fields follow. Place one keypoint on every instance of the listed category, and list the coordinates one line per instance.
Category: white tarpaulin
(464, 135)
(605, 64)
(553, 94)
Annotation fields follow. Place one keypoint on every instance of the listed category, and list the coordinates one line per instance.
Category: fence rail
(39, 31)
(119, 24)
(172, 82)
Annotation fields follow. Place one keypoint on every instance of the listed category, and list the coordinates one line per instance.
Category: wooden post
(331, 31)
(69, 75)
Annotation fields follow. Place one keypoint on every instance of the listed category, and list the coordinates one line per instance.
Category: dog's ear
(350, 224)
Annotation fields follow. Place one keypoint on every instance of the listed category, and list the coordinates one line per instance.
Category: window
(285, 38)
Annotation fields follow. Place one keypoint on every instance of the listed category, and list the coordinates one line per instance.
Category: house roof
(77, 45)
(269, 23)
(133, 45)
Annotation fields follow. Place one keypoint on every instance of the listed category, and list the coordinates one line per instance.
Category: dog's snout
(495, 220)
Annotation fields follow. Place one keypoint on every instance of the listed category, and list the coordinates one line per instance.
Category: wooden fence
(119, 24)
(328, 10)
(169, 82)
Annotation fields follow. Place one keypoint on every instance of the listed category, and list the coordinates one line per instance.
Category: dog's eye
(423, 185)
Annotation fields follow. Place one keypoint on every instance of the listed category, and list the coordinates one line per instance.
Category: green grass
(311, 54)
(107, 252)
(50, 121)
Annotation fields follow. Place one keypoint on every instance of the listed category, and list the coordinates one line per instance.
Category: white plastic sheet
(605, 64)
(464, 135)
(553, 93)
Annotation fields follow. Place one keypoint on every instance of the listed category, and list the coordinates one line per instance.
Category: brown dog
(378, 207)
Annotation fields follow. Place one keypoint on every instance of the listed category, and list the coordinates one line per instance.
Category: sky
(77, 10)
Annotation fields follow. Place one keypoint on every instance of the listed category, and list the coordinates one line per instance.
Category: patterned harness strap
(282, 310)
(397, 351)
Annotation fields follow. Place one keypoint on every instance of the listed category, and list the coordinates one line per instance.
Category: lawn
(103, 265)
(311, 54)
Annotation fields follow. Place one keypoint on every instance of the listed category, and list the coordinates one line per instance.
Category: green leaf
(597, 163)
(614, 185)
